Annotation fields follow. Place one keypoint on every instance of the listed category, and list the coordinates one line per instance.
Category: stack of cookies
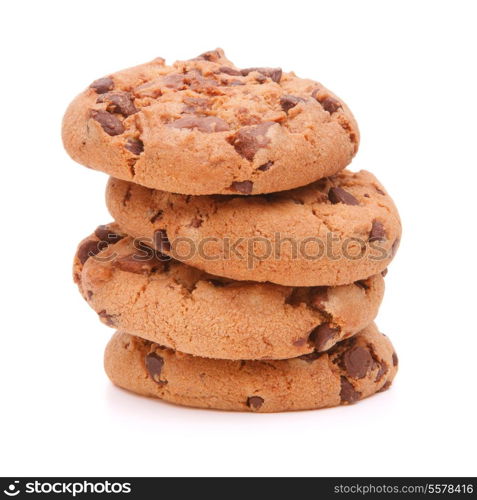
(245, 266)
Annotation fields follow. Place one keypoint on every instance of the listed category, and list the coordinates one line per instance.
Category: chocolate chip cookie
(352, 370)
(335, 231)
(204, 126)
(140, 291)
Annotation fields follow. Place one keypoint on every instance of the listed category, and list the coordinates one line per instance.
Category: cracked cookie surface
(335, 231)
(352, 370)
(204, 126)
(134, 289)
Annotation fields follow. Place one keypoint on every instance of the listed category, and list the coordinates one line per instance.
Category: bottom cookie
(352, 370)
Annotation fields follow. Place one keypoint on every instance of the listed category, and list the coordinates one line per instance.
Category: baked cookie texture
(140, 291)
(204, 126)
(352, 370)
(335, 231)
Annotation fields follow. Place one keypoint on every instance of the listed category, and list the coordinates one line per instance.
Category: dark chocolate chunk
(230, 71)
(318, 297)
(118, 102)
(362, 284)
(139, 264)
(255, 402)
(248, 140)
(154, 365)
(348, 393)
(377, 232)
(208, 124)
(161, 241)
(274, 74)
(339, 195)
(244, 187)
(136, 146)
(105, 234)
(107, 318)
(395, 359)
(265, 166)
(111, 124)
(102, 85)
(320, 336)
(288, 102)
(357, 361)
(90, 248)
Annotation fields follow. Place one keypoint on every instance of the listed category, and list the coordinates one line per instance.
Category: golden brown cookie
(191, 311)
(333, 232)
(204, 126)
(352, 370)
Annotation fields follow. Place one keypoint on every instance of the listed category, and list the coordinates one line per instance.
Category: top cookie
(204, 126)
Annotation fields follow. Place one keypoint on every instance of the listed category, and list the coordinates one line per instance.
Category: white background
(407, 70)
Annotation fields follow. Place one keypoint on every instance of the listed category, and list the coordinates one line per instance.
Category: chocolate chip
(348, 394)
(90, 248)
(300, 342)
(202, 85)
(288, 102)
(102, 85)
(157, 258)
(386, 386)
(211, 55)
(161, 241)
(105, 234)
(154, 365)
(196, 104)
(377, 231)
(318, 297)
(156, 216)
(248, 140)
(265, 166)
(380, 191)
(320, 336)
(136, 146)
(357, 361)
(89, 294)
(339, 195)
(106, 318)
(312, 356)
(111, 124)
(362, 284)
(208, 124)
(139, 264)
(244, 187)
(298, 295)
(274, 74)
(395, 359)
(230, 71)
(118, 102)
(383, 273)
(255, 402)
(328, 103)
(174, 81)
(196, 222)
(383, 368)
